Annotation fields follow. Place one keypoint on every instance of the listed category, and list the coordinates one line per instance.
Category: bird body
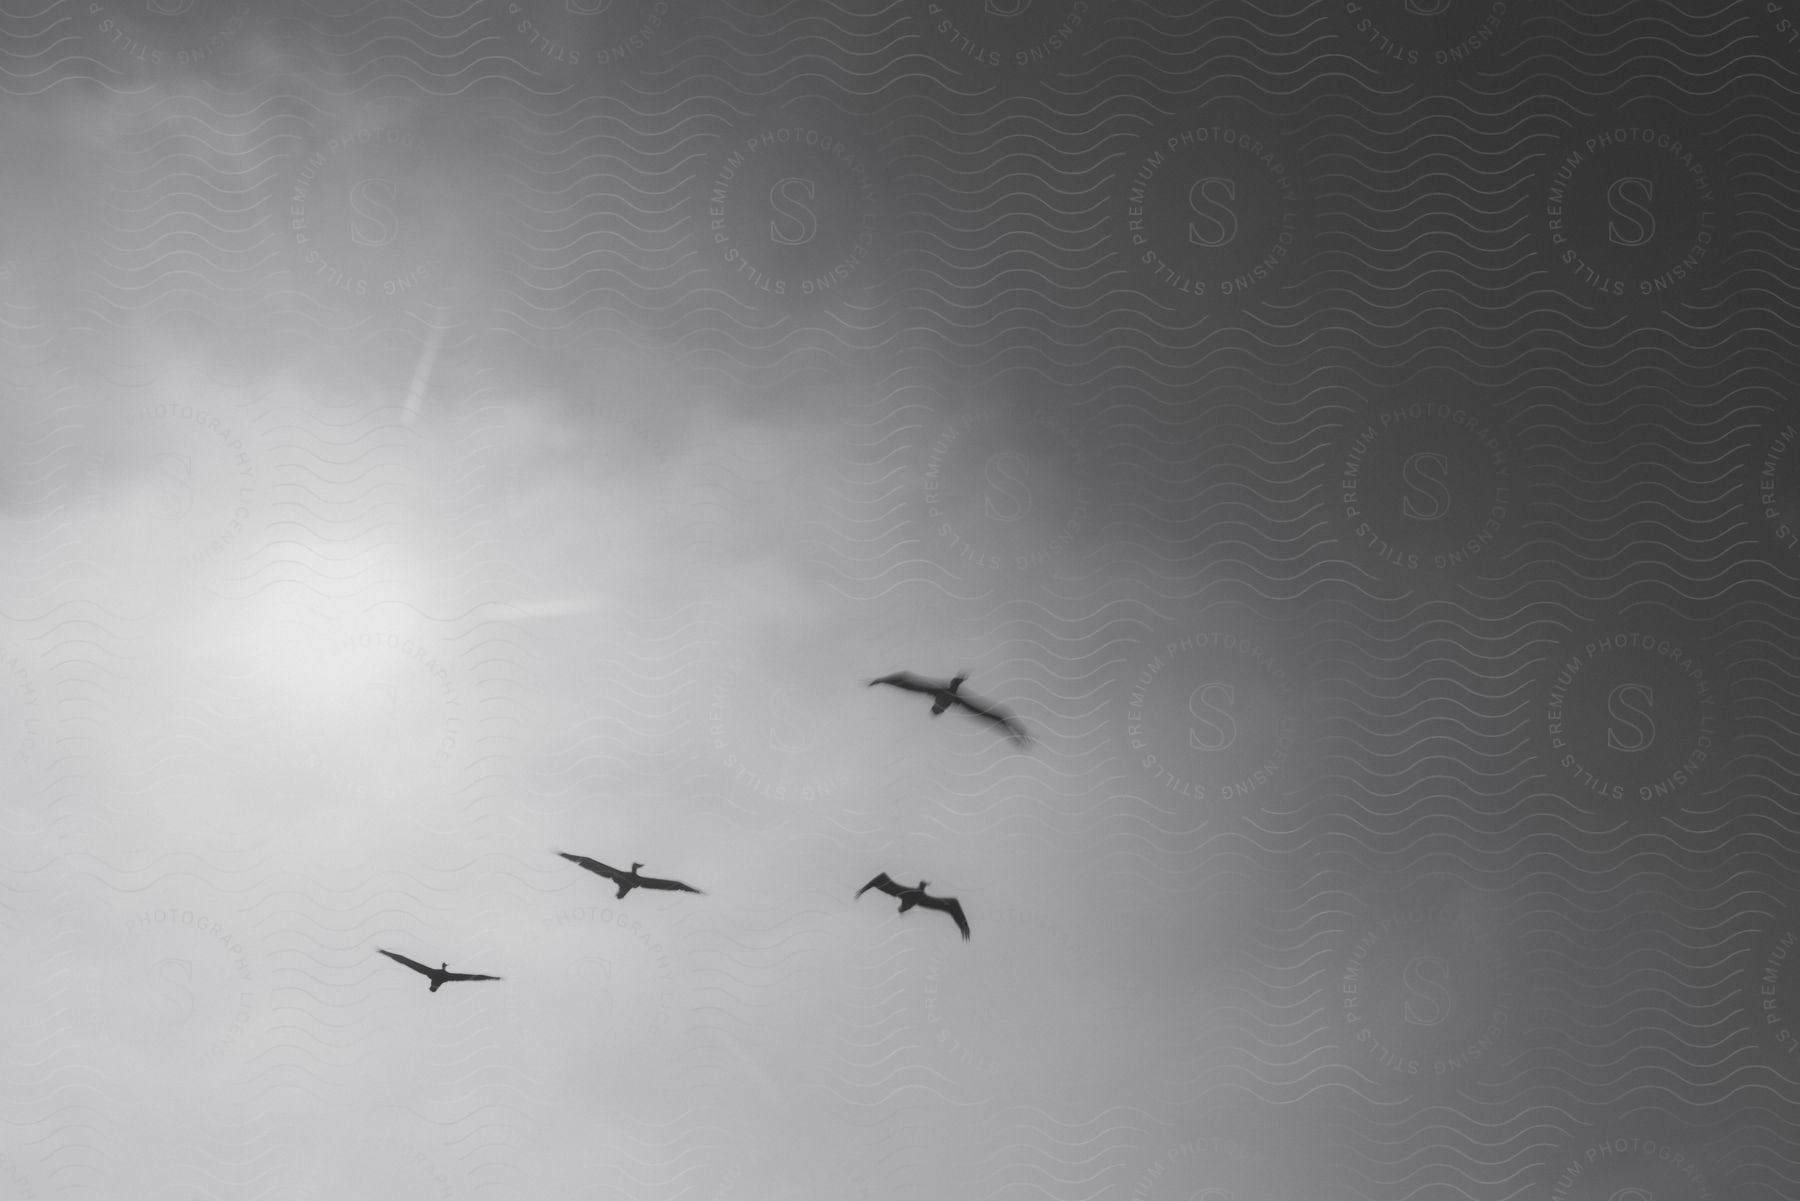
(947, 694)
(910, 897)
(627, 880)
(439, 976)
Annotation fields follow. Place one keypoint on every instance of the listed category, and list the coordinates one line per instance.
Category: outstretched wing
(882, 882)
(670, 885)
(414, 964)
(593, 865)
(906, 680)
(1015, 729)
(467, 976)
(953, 907)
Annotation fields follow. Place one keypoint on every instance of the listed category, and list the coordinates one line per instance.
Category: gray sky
(438, 436)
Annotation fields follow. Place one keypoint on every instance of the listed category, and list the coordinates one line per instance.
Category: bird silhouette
(627, 880)
(946, 694)
(438, 975)
(916, 896)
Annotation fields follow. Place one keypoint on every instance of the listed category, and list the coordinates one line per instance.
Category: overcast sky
(438, 436)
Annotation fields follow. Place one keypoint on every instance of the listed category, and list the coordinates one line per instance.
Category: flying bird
(627, 880)
(945, 695)
(438, 975)
(916, 896)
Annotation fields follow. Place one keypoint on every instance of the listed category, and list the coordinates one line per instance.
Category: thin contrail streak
(415, 391)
